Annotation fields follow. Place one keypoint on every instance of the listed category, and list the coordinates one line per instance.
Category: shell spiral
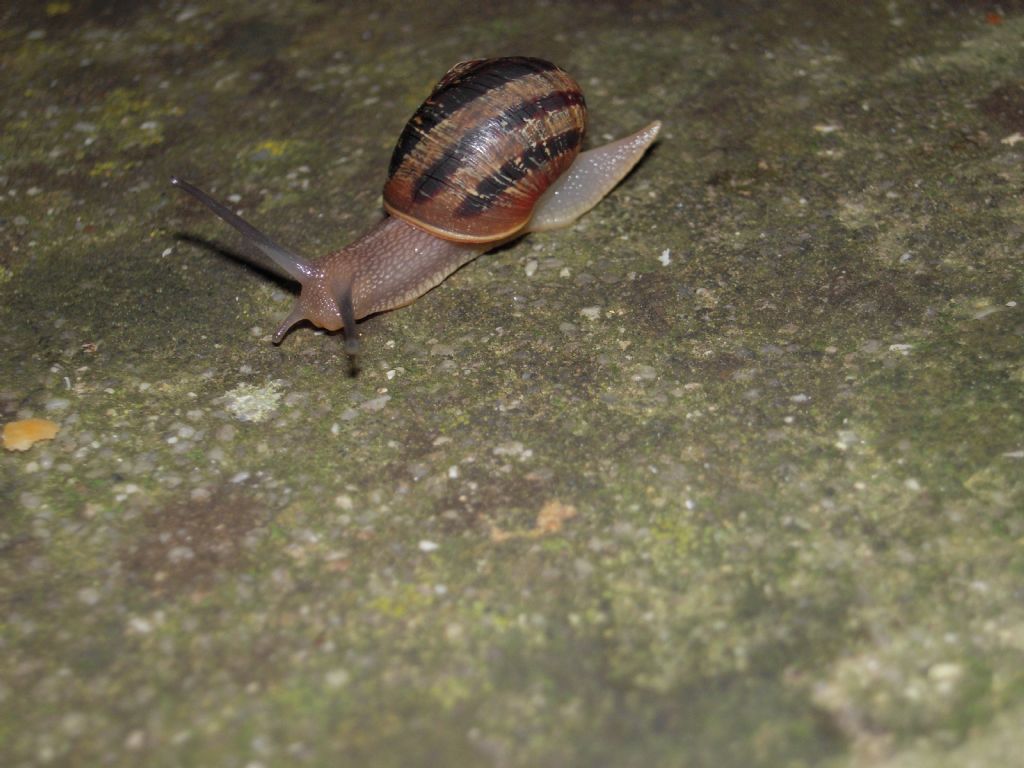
(485, 145)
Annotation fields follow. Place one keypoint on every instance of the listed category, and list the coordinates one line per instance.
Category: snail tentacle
(348, 318)
(297, 267)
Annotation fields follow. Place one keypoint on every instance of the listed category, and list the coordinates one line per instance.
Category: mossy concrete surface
(731, 473)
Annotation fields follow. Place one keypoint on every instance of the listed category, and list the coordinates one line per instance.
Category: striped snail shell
(493, 153)
(485, 145)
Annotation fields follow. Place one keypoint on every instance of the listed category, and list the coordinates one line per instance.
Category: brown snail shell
(475, 158)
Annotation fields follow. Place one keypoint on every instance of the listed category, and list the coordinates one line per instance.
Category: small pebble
(375, 404)
(88, 595)
(337, 678)
(140, 625)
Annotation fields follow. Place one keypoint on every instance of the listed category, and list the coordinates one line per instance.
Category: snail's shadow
(262, 269)
(250, 261)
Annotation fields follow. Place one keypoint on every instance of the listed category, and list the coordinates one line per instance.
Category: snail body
(493, 153)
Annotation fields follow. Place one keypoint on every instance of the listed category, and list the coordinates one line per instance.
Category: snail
(493, 153)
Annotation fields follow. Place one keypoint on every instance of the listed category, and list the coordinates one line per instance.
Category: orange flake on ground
(553, 515)
(550, 519)
(22, 435)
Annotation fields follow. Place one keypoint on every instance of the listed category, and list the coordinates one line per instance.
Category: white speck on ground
(375, 404)
(513, 448)
(251, 403)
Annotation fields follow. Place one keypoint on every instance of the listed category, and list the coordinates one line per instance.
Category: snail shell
(485, 145)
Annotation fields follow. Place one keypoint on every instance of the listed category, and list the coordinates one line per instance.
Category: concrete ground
(731, 473)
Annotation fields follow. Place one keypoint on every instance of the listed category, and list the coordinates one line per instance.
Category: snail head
(325, 304)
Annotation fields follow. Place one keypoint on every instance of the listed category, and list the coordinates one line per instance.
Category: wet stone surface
(729, 473)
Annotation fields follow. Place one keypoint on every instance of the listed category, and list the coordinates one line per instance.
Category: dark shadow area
(256, 263)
